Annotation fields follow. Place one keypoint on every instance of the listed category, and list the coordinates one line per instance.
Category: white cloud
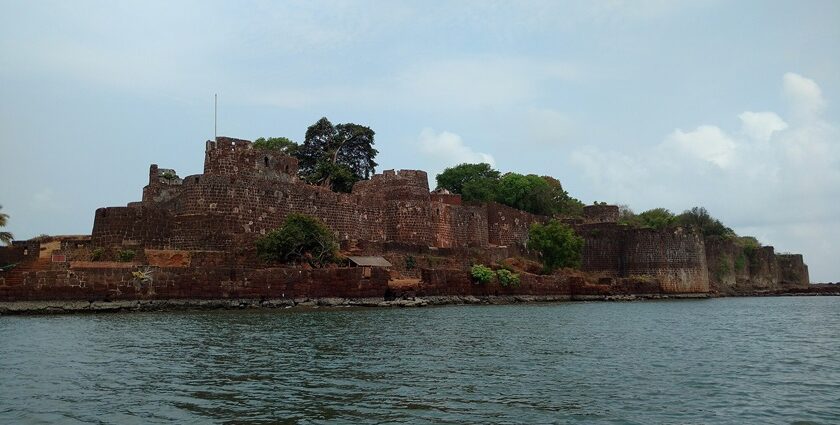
(547, 126)
(778, 181)
(707, 142)
(761, 125)
(804, 95)
(449, 149)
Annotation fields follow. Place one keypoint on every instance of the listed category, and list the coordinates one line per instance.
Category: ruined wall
(235, 157)
(164, 185)
(391, 185)
(508, 226)
(119, 282)
(131, 226)
(600, 213)
(735, 270)
(674, 257)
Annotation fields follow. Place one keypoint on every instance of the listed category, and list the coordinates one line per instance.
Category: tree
(336, 156)
(300, 238)
(5, 237)
(563, 203)
(279, 144)
(558, 245)
(454, 179)
(529, 193)
(657, 218)
(700, 219)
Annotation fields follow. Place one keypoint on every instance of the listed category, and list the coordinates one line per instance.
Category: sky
(727, 105)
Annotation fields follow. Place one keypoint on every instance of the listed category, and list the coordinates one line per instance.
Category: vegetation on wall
(300, 239)
(5, 237)
(481, 273)
(125, 255)
(507, 277)
(279, 144)
(557, 244)
(535, 194)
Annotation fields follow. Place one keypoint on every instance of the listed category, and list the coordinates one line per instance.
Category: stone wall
(600, 213)
(734, 270)
(239, 158)
(507, 226)
(675, 257)
(120, 281)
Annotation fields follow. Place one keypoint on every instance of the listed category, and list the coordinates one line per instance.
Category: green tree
(279, 144)
(558, 245)
(336, 156)
(700, 219)
(300, 238)
(5, 237)
(627, 216)
(455, 178)
(657, 218)
(563, 203)
(530, 193)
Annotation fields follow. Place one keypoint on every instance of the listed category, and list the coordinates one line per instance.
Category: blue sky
(728, 105)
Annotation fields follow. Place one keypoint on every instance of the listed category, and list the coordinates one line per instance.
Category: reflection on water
(753, 360)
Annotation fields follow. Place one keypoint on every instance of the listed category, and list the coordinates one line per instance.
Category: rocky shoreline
(63, 307)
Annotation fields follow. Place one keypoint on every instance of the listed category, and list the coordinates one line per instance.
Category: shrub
(740, 262)
(410, 262)
(97, 254)
(557, 244)
(507, 278)
(300, 238)
(125, 255)
(481, 273)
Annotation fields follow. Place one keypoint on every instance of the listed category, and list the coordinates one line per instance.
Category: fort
(194, 237)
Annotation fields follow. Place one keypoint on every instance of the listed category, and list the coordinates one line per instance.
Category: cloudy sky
(727, 105)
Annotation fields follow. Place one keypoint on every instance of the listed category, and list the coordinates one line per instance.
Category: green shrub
(481, 273)
(557, 243)
(300, 238)
(740, 262)
(410, 262)
(722, 269)
(507, 278)
(97, 254)
(125, 255)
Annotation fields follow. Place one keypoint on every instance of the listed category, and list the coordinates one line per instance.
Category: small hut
(368, 263)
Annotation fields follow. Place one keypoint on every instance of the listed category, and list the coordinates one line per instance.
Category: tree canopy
(301, 238)
(535, 194)
(558, 245)
(455, 178)
(700, 219)
(336, 156)
(279, 144)
(5, 237)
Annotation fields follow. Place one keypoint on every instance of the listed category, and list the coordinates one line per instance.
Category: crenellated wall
(239, 158)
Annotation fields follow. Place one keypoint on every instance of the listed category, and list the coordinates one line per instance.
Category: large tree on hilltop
(5, 237)
(336, 156)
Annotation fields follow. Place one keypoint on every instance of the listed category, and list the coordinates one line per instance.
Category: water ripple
(757, 360)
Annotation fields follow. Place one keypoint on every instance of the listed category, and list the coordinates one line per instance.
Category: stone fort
(246, 192)
(194, 238)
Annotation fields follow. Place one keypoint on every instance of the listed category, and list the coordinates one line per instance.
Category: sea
(767, 360)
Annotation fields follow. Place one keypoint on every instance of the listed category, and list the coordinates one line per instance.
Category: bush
(300, 238)
(557, 244)
(410, 262)
(481, 273)
(740, 262)
(125, 255)
(507, 278)
(97, 254)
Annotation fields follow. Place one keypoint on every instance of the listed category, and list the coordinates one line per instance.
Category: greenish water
(747, 360)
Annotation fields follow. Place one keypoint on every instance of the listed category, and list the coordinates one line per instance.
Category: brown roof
(369, 261)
